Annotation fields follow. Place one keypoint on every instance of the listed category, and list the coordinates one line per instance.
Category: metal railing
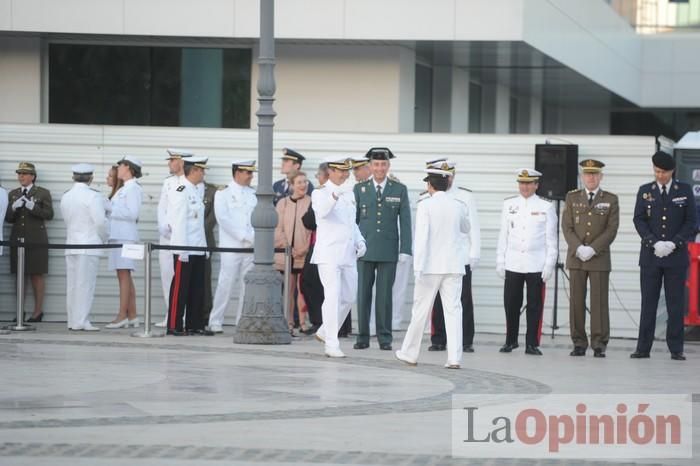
(21, 246)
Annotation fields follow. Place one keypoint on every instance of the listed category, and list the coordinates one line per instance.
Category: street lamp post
(262, 321)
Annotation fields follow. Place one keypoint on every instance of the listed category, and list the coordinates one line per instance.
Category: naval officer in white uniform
(526, 255)
(339, 244)
(441, 222)
(233, 208)
(83, 210)
(165, 257)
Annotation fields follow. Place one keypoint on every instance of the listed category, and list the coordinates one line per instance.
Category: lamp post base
(262, 321)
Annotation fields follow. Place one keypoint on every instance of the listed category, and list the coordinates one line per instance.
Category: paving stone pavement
(107, 398)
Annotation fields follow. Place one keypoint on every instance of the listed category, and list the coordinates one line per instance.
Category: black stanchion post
(20, 327)
(147, 333)
(287, 282)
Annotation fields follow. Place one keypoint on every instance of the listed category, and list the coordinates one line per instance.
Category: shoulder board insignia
(180, 188)
(94, 189)
(320, 187)
(545, 199)
(220, 188)
(464, 189)
(575, 190)
(460, 201)
(510, 197)
(423, 193)
(393, 178)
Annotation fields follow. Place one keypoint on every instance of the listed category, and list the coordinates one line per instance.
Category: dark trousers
(673, 279)
(208, 301)
(187, 292)
(438, 335)
(513, 301)
(385, 274)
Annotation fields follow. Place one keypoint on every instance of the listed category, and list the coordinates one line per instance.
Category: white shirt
(83, 210)
(337, 234)
(382, 184)
(171, 183)
(441, 223)
(527, 241)
(233, 208)
(470, 243)
(186, 218)
(126, 206)
(3, 209)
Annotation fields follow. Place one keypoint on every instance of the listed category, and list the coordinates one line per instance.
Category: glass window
(474, 107)
(149, 86)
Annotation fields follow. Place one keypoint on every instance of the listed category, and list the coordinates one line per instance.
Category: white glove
(184, 258)
(29, 204)
(547, 274)
(404, 257)
(662, 249)
(473, 262)
(671, 246)
(585, 253)
(361, 249)
(501, 271)
(164, 231)
(18, 203)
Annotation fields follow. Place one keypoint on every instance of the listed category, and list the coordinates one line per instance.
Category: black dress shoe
(598, 353)
(385, 346)
(578, 351)
(467, 349)
(507, 348)
(311, 330)
(530, 349)
(437, 348)
(201, 332)
(678, 356)
(36, 319)
(639, 355)
(177, 333)
(361, 345)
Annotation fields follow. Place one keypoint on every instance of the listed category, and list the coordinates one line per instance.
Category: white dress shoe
(216, 328)
(134, 323)
(452, 365)
(319, 338)
(403, 358)
(162, 324)
(334, 353)
(90, 328)
(120, 324)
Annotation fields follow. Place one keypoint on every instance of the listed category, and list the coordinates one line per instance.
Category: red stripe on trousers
(176, 295)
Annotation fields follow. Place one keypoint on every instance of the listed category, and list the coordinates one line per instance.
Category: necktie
(590, 198)
(24, 192)
(664, 194)
(379, 193)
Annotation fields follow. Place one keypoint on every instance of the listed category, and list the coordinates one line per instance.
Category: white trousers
(234, 266)
(165, 261)
(424, 291)
(340, 290)
(81, 275)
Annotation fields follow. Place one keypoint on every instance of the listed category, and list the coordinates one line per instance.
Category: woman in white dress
(126, 205)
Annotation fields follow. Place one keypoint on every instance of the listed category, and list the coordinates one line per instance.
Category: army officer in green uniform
(589, 223)
(384, 218)
(29, 206)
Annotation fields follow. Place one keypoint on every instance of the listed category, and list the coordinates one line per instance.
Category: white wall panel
(179, 17)
(82, 16)
(20, 80)
(486, 164)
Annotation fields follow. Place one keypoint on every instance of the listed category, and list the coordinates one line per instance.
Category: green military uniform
(593, 224)
(209, 224)
(385, 223)
(29, 224)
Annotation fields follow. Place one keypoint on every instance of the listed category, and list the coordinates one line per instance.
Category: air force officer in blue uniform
(665, 218)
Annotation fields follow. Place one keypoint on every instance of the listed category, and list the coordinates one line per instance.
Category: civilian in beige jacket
(290, 231)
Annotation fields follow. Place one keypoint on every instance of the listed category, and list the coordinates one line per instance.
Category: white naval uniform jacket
(3, 209)
(469, 243)
(83, 210)
(337, 234)
(126, 206)
(186, 218)
(233, 208)
(527, 241)
(170, 184)
(441, 222)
